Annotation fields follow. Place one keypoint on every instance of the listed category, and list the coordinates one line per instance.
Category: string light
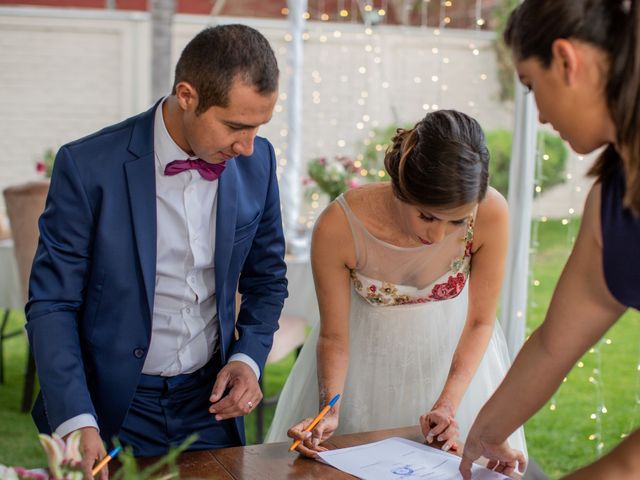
(369, 72)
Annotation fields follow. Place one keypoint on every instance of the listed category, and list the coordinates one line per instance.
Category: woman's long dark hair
(613, 26)
(442, 161)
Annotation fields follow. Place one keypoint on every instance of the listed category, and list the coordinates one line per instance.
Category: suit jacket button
(138, 353)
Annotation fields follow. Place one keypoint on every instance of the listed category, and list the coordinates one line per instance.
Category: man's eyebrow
(238, 125)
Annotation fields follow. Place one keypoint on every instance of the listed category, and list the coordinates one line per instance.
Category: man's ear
(187, 96)
(565, 59)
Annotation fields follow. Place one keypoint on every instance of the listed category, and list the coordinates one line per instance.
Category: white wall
(65, 73)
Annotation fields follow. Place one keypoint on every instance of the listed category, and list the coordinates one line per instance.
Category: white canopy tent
(521, 174)
(290, 181)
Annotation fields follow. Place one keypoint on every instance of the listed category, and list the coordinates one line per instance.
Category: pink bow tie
(208, 171)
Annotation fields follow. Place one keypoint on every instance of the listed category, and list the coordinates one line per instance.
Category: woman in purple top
(581, 59)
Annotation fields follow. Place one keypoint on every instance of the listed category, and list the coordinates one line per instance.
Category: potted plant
(45, 165)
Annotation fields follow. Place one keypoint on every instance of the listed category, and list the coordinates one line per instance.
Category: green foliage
(554, 161)
(332, 177)
(499, 145)
(164, 469)
(45, 166)
(336, 176)
(503, 54)
(340, 174)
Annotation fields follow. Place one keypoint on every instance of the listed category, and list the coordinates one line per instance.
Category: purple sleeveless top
(621, 242)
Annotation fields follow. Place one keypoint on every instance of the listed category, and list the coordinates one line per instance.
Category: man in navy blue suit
(150, 227)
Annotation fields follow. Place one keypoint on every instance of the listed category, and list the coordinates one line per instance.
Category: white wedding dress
(408, 309)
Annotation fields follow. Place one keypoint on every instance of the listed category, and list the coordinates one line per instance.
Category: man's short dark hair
(215, 57)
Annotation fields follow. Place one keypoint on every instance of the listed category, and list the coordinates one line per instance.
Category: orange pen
(319, 417)
(104, 461)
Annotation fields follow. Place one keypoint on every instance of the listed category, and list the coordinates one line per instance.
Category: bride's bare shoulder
(332, 240)
(332, 233)
(364, 199)
(492, 219)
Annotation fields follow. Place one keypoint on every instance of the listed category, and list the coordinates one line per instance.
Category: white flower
(335, 169)
(59, 452)
(8, 473)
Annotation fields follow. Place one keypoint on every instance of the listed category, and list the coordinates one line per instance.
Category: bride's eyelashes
(429, 219)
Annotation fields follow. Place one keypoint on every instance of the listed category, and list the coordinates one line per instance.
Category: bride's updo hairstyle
(441, 162)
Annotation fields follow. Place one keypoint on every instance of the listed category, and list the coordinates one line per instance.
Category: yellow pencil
(104, 461)
(319, 417)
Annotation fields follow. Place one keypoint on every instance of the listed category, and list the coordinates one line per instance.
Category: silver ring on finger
(250, 404)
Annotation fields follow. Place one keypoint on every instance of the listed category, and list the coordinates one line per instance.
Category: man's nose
(244, 144)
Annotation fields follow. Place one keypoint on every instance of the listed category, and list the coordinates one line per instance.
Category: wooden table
(273, 461)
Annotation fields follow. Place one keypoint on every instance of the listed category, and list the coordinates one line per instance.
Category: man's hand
(244, 391)
(92, 451)
(310, 441)
(501, 457)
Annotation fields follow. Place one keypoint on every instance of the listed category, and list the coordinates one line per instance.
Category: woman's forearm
(468, 355)
(333, 363)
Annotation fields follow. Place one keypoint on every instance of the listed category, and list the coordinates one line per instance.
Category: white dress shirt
(184, 329)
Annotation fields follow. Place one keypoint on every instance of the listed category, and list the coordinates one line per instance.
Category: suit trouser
(166, 410)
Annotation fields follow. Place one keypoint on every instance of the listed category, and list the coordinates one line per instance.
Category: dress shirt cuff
(75, 423)
(241, 357)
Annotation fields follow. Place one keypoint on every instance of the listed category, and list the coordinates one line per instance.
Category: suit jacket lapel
(225, 222)
(141, 182)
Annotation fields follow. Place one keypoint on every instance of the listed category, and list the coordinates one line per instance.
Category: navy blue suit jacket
(93, 277)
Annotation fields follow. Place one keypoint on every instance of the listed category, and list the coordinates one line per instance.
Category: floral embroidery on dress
(451, 289)
(389, 289)
(374, 296)
(382, 293)
(357, 284)
(457, 264)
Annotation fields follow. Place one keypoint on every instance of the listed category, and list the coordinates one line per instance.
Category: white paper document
(398, 458)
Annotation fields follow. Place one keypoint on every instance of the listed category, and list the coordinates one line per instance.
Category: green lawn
(18, 436)
(558, 439)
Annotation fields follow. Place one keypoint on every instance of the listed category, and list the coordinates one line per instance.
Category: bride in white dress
(407, 275)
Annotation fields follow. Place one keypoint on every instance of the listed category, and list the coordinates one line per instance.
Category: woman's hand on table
(310, 442)
(502, 458)
(440, 425)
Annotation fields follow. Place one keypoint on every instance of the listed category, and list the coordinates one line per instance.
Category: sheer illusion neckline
(417, 248)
